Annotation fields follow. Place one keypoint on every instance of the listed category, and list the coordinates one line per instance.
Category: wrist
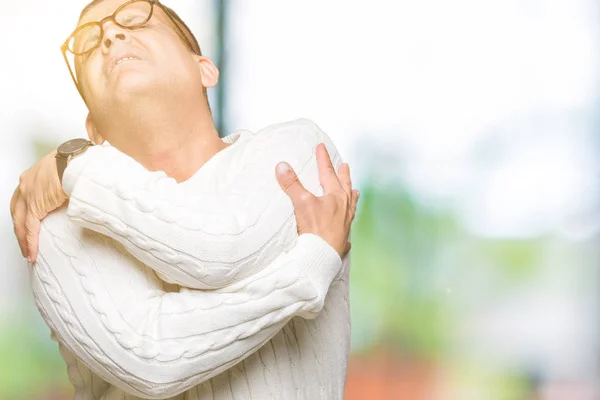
(339, 248)
(54, 166)
(74, 170)
(64, 155)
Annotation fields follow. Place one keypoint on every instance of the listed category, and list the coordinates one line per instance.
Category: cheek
(92, 73)
(166, 48)
(166, 61)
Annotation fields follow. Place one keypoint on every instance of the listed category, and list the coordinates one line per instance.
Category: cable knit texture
(196, 290)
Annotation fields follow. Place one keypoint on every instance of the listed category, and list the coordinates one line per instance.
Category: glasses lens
(84, 39)
(134, 14)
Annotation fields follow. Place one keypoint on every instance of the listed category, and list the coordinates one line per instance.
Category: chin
(130, 85)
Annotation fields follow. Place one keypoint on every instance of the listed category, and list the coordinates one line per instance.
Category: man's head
(159, 60)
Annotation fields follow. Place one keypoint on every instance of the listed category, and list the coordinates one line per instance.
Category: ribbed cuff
(321, 264)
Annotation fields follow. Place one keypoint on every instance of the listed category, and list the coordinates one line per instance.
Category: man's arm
(115, 317)
(162, 344)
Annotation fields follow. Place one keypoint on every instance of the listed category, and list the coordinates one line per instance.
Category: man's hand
(39, 193)
(329, 216)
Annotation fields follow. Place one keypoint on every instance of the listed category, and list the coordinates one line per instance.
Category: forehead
(99, 9)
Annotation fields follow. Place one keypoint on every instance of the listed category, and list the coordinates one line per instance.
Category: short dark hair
(186, 30)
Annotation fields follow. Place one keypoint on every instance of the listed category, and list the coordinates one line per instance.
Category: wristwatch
(66, 151)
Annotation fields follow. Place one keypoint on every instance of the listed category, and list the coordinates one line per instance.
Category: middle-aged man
(177, 269)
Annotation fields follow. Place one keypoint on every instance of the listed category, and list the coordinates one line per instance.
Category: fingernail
(29, 258)
(357, 194)
(282, 168)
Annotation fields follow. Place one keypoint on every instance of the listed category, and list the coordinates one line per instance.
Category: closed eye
(92, 39)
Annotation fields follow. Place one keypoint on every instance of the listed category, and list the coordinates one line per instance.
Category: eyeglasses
(132, 15)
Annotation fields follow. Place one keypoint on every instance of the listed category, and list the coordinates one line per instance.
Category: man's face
(132, 62)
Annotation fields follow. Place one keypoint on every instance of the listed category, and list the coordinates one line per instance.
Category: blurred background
(472, 131)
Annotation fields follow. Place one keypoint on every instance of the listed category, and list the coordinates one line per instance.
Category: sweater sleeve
(106, 308)
(203, 238)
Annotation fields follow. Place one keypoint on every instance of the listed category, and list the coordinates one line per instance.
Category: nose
(112, 34)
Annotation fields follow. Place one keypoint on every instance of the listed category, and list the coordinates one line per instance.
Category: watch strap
(61, 165)
(66, 151)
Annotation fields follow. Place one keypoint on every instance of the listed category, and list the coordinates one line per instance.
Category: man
(268, 315)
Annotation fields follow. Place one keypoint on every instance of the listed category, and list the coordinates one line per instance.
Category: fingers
(19, 212)
(32, 233)
(290, 184)
(344, 178)
(13, 201)
(354, 201)
(327, 175)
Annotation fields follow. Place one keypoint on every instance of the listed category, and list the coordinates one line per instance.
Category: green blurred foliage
(476, 381)
(518, 259)
(406, 254)
(30, 361)
(392, 266)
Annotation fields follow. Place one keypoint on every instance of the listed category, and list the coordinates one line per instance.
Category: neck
(172, 137)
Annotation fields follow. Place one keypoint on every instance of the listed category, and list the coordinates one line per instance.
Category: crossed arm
(115, 317)
(196, 239)
(202, 332)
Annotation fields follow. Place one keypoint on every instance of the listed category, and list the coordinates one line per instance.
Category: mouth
(116, 61)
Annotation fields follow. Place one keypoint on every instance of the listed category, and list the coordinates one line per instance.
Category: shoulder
(293, 141)
(299, 137)
(297, 132)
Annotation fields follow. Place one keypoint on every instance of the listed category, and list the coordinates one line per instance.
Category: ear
(208, 70)
(93, 133)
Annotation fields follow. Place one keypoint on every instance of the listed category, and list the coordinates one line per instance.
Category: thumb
(32, 234)
(289, 182)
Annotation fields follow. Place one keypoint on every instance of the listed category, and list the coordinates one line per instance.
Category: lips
(119, 59)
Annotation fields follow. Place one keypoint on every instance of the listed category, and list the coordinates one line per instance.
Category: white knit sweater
(250, 310)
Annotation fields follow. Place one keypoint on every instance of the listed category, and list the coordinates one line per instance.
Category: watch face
(73, 146)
